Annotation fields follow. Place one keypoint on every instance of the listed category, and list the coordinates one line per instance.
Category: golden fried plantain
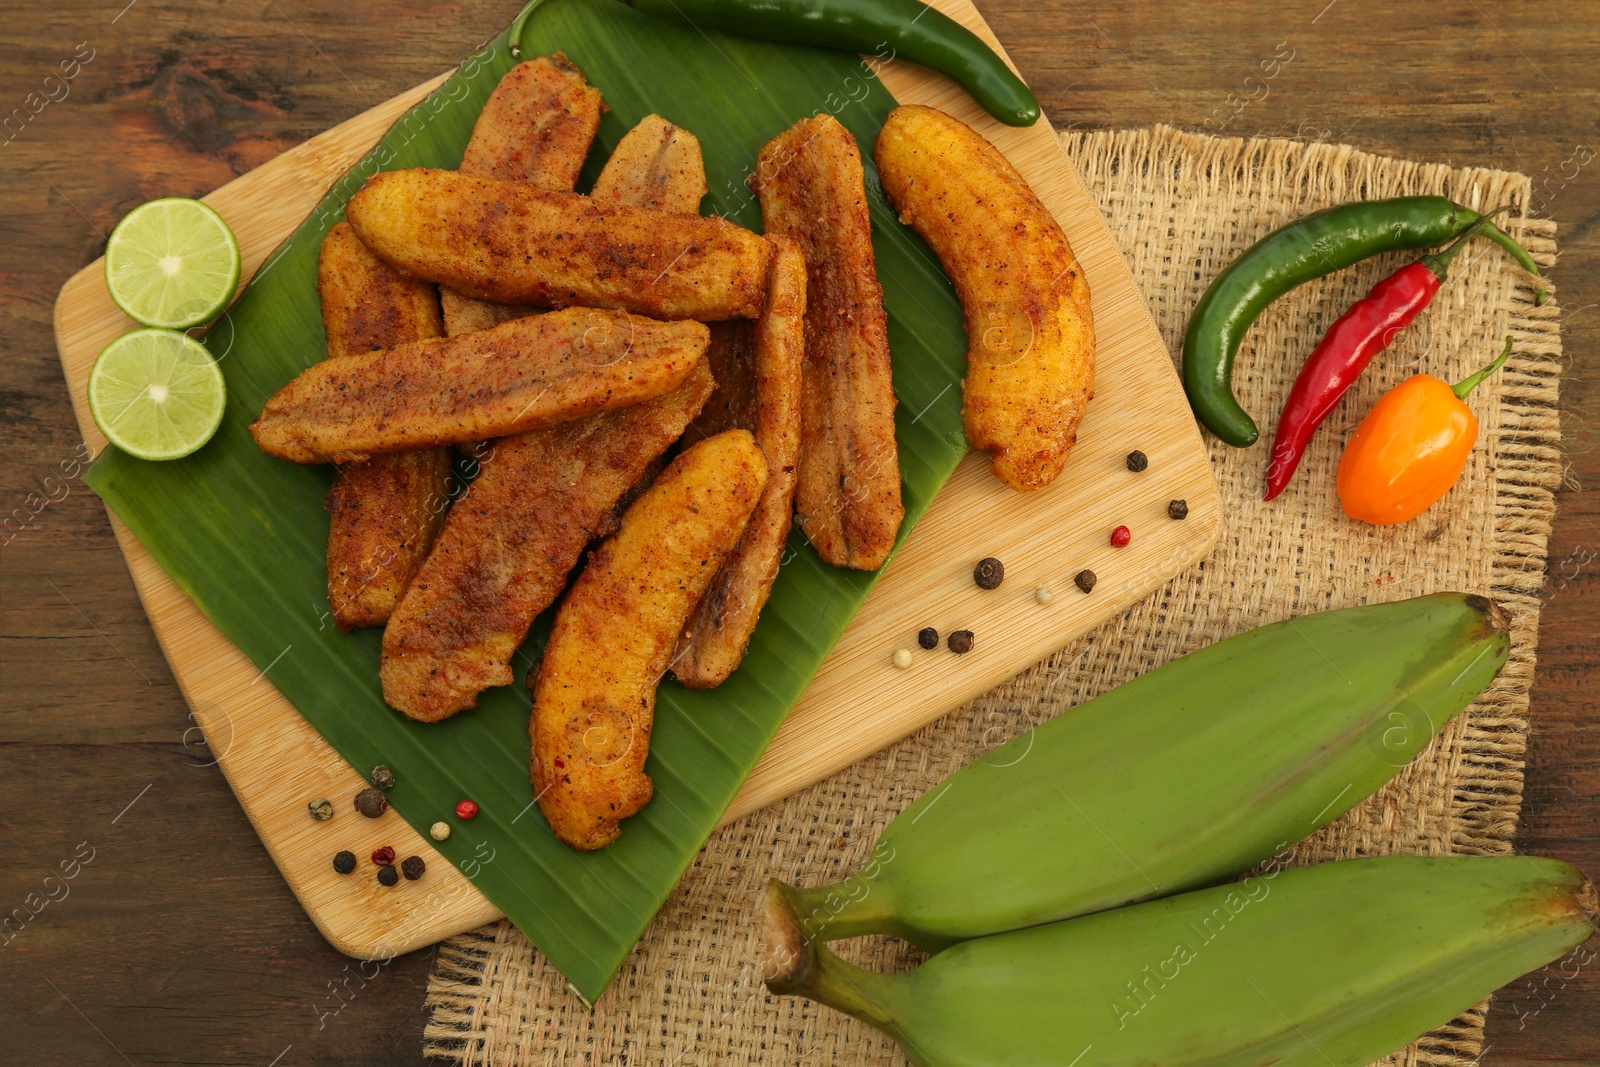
(509, 544)
(513, 243)
(382, 514)
(810, 183)
(465, 314)
(1030, 333)
(366, 305)
(761, 394)
(537, 500)
(523, 375)
(657, 166)
(595, 690)
(535, 127)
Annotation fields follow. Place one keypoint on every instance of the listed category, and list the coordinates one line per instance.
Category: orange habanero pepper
(1411, 448)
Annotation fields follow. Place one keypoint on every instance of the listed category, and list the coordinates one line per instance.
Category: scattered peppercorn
(321, 809)
(1085, 580)
(388, 876)
(371, 802)
(1042, 595)
(383, 856)
(989, 573)
(1137, 461)
(466, 810)
(412, 867)
(1178, 509)
(344, 862)
(382, 776)
(1121, 536)
(902, 658)
(439, 831)
(961, 642)
(928, 637)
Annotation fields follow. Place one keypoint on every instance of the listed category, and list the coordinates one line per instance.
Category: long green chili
(1311, 247)
(902, 29)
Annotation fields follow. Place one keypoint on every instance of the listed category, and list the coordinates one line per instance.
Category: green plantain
(1181, 778)
(1326, 966)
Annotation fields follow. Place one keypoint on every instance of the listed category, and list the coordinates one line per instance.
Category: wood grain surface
(178, 941)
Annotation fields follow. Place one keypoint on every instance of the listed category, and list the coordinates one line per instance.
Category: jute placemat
(1181, 207)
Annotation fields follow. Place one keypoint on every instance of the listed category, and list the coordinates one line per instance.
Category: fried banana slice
(760, 394)
(382, 514)
(810, 183)
(535, 127)
(464, 314)
(595, 691)
(1030, 333)
(366, 305)
(657, 166)
(509, 544)
(537, 500)
(513, 243)
(523, 375)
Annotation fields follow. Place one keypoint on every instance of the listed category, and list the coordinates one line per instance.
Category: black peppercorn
(412, 867)
(1137, 461)
(961, 642)
(344, 862)
(382, 776)
(928, 637)
(371, 802)
(388, 876)
(1085, 580)
(989, 573)
(1178, 509)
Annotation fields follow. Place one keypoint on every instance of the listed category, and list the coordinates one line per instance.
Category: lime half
(156, 394)
(172, 263)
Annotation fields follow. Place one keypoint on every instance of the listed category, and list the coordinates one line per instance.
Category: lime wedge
(156, 394)
(172, 263)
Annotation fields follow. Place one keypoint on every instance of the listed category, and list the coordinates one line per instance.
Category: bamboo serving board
(858, 702)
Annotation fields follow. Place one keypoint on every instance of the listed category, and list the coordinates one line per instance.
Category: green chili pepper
(1309, 248)
(891, 29)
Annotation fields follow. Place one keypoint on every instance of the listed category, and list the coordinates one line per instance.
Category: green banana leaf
(245, 534)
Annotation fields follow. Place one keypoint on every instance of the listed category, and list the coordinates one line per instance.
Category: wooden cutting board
(859, 702)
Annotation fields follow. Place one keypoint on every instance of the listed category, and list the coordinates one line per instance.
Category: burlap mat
(1180, 206)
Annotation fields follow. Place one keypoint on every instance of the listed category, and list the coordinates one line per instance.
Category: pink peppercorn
(383, 856)
(1121, 536)
(466, 810)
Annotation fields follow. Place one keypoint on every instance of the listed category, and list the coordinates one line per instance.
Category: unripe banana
(1327, 966)
(1181, 778)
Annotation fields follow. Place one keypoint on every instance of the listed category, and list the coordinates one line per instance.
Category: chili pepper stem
(1467, 385)
(1520, 254)
(1439, 262)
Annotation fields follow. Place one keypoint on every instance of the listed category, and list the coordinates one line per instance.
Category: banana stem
(796, 965)
(826, 912)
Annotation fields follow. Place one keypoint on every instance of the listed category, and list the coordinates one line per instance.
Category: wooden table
(177, 940)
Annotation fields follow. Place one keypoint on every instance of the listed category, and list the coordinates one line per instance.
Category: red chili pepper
(1349, 345)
